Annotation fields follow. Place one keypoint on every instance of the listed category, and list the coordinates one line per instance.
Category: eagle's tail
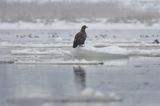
(75, 44)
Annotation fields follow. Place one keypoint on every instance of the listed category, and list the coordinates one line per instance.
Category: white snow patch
(70, 25)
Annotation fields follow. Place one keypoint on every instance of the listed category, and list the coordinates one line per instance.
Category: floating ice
(105, 53)
(60, 53)
(32, 51)
(89, 92)
(35, 45)
(6, 59)
(59, 62)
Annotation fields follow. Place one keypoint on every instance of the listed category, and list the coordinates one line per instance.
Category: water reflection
(79, 78)
(33, 86)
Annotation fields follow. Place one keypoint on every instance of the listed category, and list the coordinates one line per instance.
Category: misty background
(111, 11)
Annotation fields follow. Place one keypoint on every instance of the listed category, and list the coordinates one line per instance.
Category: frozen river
(115, 68)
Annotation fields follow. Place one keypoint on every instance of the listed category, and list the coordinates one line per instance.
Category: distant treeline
(71, 11)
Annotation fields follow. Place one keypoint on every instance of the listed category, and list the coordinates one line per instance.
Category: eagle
(80, 37)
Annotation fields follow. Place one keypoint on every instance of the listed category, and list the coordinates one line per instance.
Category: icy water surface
(114, 68)
(55, 46)
(133, 84)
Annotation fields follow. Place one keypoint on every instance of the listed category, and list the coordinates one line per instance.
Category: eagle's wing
(77, 39)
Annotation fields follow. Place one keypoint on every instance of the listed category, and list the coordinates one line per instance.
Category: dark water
(136, 83)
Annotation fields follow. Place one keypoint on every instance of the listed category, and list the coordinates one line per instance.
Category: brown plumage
(80, 37)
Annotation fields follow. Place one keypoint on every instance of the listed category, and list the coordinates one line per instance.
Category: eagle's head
(83, 28)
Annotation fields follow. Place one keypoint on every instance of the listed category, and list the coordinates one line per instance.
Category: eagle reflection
(79, 78)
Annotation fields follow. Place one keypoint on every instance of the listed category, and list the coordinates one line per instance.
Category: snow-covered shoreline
(72, 25)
